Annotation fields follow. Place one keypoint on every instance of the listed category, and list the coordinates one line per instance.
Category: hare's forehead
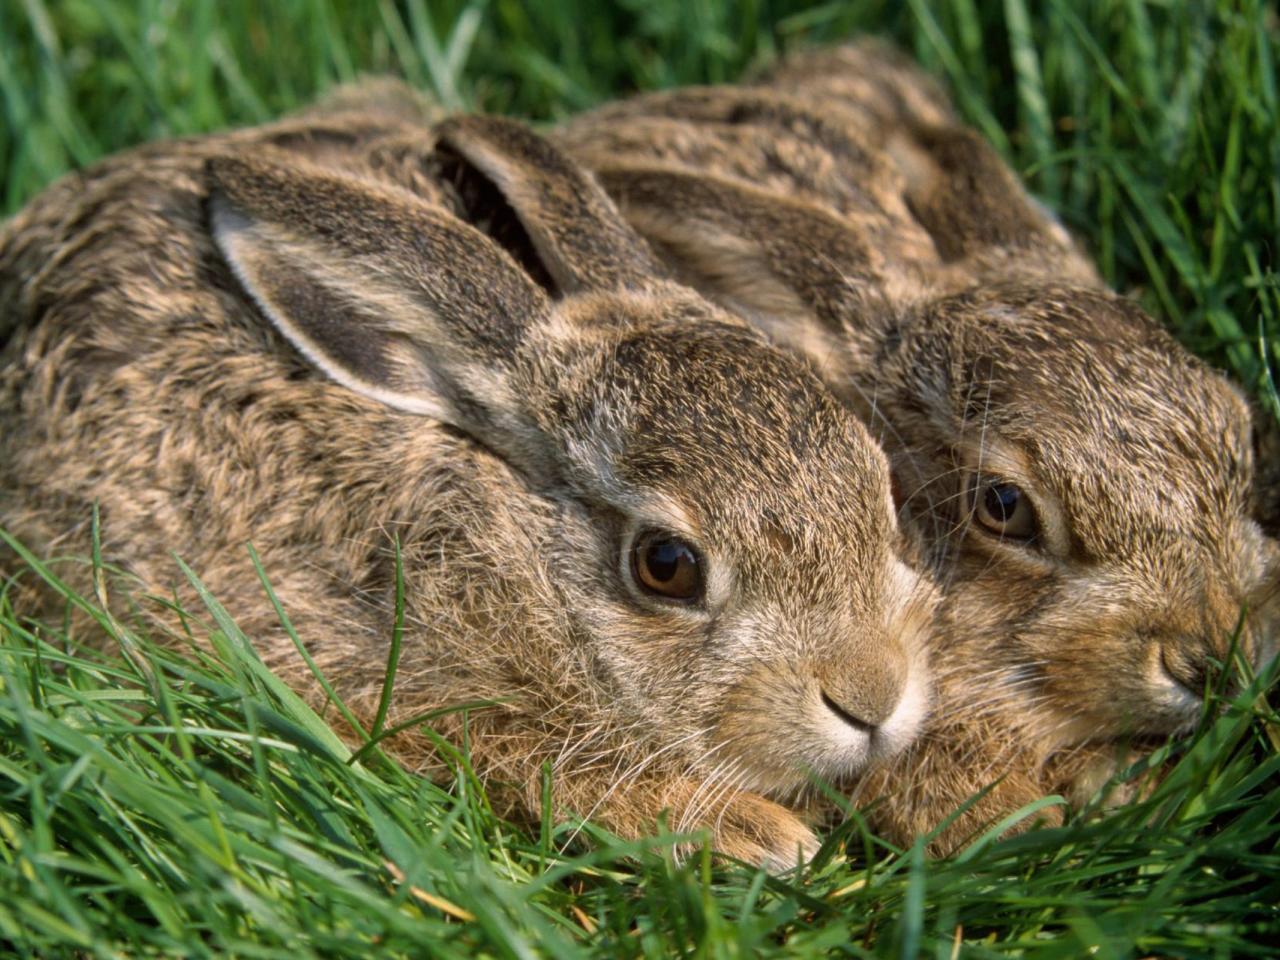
(1122, 486)
(738, 430)
(1123, 402)
(1168, 429)
(1122, 462)
(726, 391)
(798, 551)
(729, 480)
(803, 492)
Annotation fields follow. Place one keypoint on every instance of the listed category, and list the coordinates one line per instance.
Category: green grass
(186, 804)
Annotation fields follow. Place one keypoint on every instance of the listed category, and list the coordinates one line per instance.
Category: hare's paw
(761, 832)
(1080, 774)
(741, 825)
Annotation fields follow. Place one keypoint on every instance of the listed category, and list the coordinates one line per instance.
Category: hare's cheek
(992, 607)
(762, 731)
(1117, 680)
(652, 669)
(1060, 655)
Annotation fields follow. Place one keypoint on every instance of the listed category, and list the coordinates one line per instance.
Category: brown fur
(234, 339)
(838, 206)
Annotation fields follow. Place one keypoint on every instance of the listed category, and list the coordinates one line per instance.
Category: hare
(660, 546)
(1078, 482)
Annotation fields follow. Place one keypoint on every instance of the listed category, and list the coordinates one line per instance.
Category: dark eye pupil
(667, 566)
(664, 557)
(1004, 509)
(1001, 501)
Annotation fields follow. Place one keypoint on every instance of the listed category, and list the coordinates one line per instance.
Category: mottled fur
(838, 205)
(305, 336)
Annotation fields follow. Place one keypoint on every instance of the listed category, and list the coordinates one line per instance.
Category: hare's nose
(864, 698)
(1199, 673)
(1191, 681)
(852, 719)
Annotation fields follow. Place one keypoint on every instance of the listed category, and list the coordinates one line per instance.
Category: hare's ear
(578, 235)
(869, 75)
(391, 297)
(793, 269)
(968, 199)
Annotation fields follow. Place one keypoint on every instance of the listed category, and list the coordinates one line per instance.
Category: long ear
(867, 75)
(706, 108)
(390, 296)
(580, 237)
(790, 267)
(970, 200)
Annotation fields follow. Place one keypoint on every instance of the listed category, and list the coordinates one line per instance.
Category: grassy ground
(188, 805)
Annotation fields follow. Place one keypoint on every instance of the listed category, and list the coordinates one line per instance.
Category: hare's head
(723, 534)
(1084, 481)
(1087, 483)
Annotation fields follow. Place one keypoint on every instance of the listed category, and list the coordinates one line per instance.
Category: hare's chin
(839, 748)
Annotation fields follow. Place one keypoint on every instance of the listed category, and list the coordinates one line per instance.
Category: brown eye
(667, 566)
(1004, 509)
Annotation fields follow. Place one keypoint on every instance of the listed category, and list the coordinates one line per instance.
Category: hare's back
(136, 376)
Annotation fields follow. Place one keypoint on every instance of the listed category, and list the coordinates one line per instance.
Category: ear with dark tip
(970, 200)
(579, 235)
(391, 297)
(792, 268)
(746, 106)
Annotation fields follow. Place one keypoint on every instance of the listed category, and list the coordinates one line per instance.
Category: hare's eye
(667, 566)
(1004, 509)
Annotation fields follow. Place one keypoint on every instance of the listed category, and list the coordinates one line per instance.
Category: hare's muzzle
(871, 708)
(863, 696)
(858, 723)
(1198, 668)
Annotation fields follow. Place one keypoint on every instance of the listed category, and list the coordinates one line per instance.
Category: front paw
(1080, 774)
(762, 833)
(742, 825)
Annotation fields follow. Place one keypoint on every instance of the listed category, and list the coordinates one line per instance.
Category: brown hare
(661, 546)
(1080, 484)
